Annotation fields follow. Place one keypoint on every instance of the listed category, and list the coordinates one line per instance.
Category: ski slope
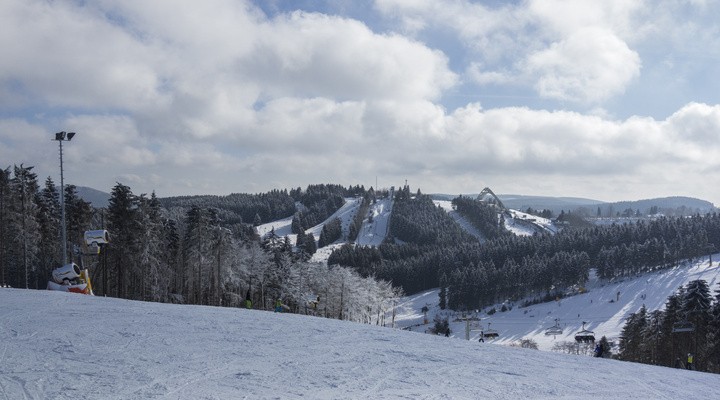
(374, 233)
(56, 345)
(604, 307)
(371, 233)
(459, 219)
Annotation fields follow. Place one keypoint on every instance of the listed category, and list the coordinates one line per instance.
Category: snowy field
(56, 345)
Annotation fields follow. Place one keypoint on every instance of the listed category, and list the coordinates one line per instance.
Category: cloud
(591, 65)
(185, 97)
(317, 55)
(570, 51)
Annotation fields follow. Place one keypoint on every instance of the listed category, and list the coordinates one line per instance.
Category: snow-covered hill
(372, 232)
(604, 307)
(517, 222)
(56, 345)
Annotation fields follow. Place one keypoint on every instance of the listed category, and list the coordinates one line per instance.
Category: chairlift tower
(60, 137)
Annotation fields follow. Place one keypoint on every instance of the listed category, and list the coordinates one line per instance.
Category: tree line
(425, 250)
(30, 226)
(185, 253)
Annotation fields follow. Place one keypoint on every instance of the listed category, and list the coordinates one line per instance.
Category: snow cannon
(67, 272)
(96, 239)
(70, 278)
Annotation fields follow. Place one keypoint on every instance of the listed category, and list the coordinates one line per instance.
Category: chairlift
(554, 330)
(585, 336)
(490, 333)
(683, 326)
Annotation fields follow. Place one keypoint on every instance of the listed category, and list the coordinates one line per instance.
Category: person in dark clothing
(598, 350)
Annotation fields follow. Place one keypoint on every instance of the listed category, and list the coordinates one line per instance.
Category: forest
(689, 326)
(193, 250)
(428, 250)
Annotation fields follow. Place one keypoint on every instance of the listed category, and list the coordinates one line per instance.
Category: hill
(96, 198)
(62, 345)
(604, 307)
(673, 205)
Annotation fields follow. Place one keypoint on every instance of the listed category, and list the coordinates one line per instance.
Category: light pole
(60, 137)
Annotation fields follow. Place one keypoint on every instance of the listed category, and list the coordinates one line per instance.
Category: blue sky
(611, 100)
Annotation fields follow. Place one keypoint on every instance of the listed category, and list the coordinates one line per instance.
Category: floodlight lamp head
(60, 135)
(70, 135)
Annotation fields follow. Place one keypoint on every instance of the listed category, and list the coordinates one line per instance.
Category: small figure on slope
(598, 350)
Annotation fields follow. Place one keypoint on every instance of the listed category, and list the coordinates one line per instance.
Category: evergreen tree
(443, 292)
(296, 227)
(5, 232)
(196, 252)
(49, 221)
(631, 338)
(78, 214)
(23, 221)
(122, 207)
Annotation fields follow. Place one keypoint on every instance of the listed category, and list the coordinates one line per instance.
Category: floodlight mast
(60, 137)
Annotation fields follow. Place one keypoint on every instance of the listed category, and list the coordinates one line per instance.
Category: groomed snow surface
(56, 345)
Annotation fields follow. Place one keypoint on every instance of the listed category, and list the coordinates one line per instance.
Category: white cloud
(590, 65)
(190, 98)
(318, 55)
(566, 50)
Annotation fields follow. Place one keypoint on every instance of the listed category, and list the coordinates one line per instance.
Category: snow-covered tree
(23, 222)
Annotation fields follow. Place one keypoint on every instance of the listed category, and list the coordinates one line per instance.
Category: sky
(612, 100)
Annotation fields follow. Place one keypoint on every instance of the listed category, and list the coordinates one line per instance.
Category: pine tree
(443, 292)
(78, 214)
(696, 305)
(196, 249)
(296, 226)
(154, 274)
(121, 222)
(713, 336)
(49, 221)
(631, 338)
(23, 221)
(5, 205)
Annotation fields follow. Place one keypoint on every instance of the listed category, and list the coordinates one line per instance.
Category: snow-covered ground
(604, 308)
(521, 224)
(57, 345)
(373, 233)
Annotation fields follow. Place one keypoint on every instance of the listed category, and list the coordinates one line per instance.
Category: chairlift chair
(683, 326)
(490, 333)
(554, 330)
(585, 336)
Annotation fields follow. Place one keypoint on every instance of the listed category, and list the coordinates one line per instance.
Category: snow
(521, 224)
(371, 233)
(600, 307)
(56, 345)
(374, 233)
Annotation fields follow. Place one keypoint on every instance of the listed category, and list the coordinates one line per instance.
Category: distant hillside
(676, 205)
(97, 198)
